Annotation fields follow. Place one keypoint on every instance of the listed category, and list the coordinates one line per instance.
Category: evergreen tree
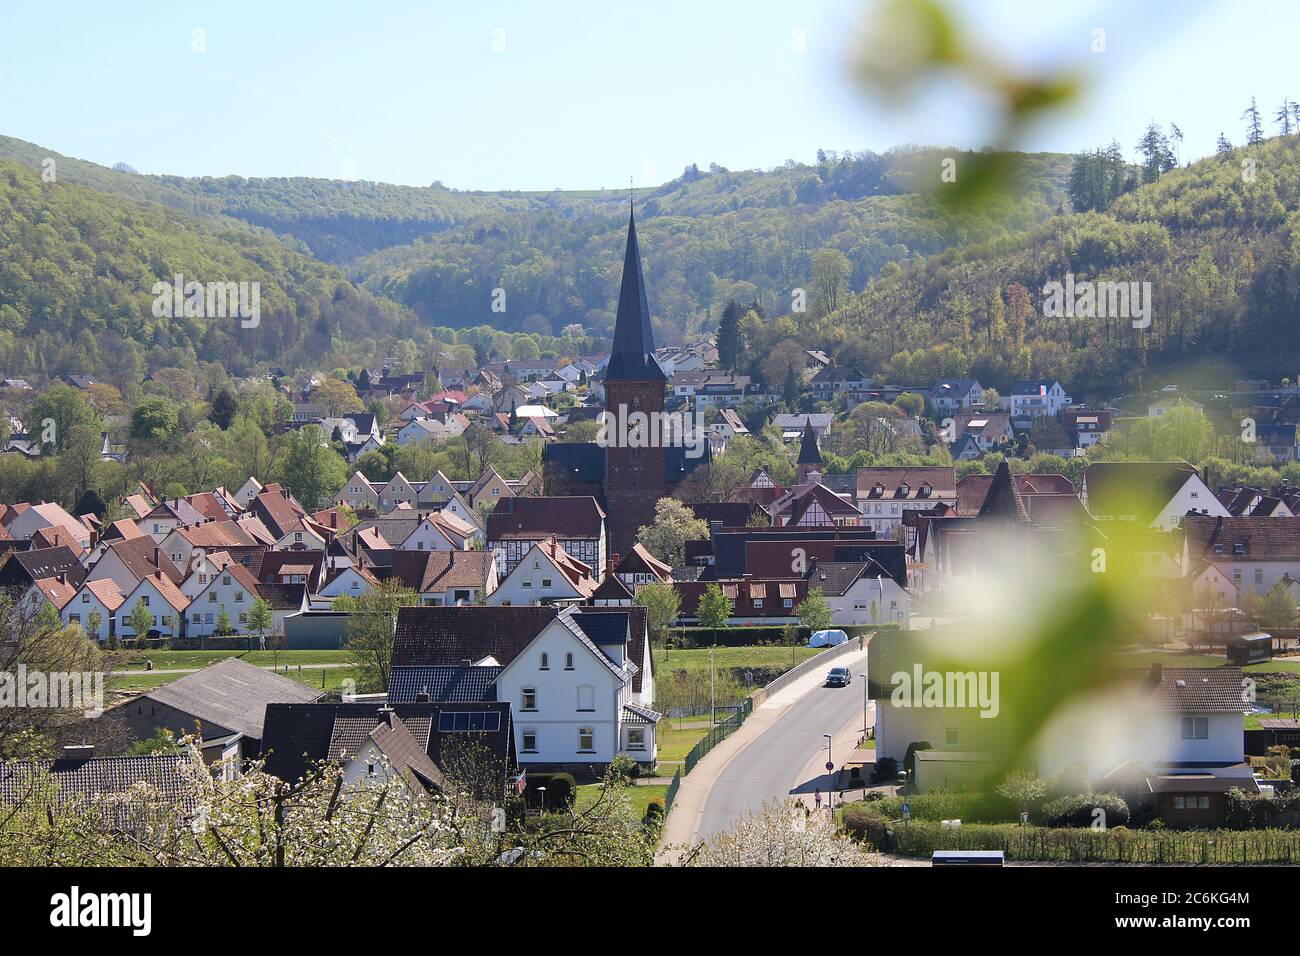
(1223, 147)
(224, 408)
(730, 340)
(1254, 126)
(1283, 116)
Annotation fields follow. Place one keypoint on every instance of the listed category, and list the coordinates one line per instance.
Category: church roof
(1003, 499)
(808, 453)
(632, 356)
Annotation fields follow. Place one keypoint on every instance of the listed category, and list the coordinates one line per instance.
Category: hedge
(750, 635)
(1079, 810)
(920, 838)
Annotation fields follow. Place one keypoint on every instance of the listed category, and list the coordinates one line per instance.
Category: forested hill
(706, 237)
(77, 269)
(1218, 241)
(333, 219)
(710, 234)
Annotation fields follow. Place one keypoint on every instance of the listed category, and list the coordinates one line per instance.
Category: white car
(830, 638)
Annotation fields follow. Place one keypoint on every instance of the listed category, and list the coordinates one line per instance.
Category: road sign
(907, 811)
(829, 766)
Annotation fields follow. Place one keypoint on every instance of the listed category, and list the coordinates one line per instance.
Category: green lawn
(323, 678)
(675, 744)
(731, 657)
(1281, 665)
(164, 660)
(640, 796)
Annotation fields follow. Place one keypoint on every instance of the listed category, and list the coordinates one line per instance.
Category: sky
(490, 94)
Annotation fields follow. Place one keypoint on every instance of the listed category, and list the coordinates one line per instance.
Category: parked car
(839, 677)
(828, 638)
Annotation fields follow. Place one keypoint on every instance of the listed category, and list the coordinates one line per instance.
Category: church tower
(810, 457)
(635, 466)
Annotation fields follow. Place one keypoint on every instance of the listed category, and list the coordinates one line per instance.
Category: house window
(212, 597)
(1259, 577)
(530, 741)
(758, 602)
(568, 661)
(1196, 728)
(529, 698)
(950, 737)
(196, 618)
(586, 740)
(85, 598)
(239, 597)
(586, 698)
(225, 579)
(636, 739)
(546, 662)
(546, 582)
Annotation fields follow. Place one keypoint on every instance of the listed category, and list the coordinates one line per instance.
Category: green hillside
(1218, 241)
(77, 268)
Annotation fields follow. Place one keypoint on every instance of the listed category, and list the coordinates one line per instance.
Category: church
(626, 480)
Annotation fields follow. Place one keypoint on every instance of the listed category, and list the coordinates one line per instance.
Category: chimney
(386, 715)
(78, 751)
(157, 557)
(1156, 676)
(422, 697)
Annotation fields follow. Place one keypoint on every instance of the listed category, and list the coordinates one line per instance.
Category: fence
(718, 734)
(673, 787)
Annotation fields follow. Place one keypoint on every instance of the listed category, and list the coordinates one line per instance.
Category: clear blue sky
(584, 94)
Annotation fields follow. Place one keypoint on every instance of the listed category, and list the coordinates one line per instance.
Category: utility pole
(830, 781)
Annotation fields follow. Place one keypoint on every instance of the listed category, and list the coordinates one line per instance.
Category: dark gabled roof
(1137, 488)
(297, 736)
(230, 695)
(444, 683)
(632, 357)
(143, 557)
(636, 714)
(407, 756)
(585, 461)
(808, 451)
(836, 577)
(638, 635)
(611, 589)
(459, 635)
(530, 518)
(25, 567)
(1003, 500)
(604, 626)
(282, 597)
(82, 778)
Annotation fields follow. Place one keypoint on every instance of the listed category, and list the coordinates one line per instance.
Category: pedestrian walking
(817, 798)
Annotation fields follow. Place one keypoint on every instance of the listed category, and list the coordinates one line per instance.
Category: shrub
(1078, 810)
(654, 813)
(886, 769)
(622, 770)
(864, 822)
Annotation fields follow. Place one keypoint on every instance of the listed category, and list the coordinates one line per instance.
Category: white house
(100, 597)
(950, 395)
(233, 590)
(165, 601)
(547, 574)
(1157, 494)
(860, 592)
(1040, 396)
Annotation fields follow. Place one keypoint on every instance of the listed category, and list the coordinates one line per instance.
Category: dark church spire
(1003, 499)
(808, 451)
(632, 357)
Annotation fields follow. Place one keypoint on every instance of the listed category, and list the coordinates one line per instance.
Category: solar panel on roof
(469, 721)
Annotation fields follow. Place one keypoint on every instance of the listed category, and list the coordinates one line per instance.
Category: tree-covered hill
(1218, 241)
(77, 269)
(335, 220)
(706, 237)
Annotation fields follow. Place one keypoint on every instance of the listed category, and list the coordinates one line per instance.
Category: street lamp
(830, 782)
(864, 705)
(542, 791)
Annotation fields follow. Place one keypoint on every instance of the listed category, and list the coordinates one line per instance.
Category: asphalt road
(784, 760)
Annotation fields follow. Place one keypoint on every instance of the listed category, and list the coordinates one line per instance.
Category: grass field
(731, 657)
(640, 796)
(192, 660)
(1281, 665)
(135, 678)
